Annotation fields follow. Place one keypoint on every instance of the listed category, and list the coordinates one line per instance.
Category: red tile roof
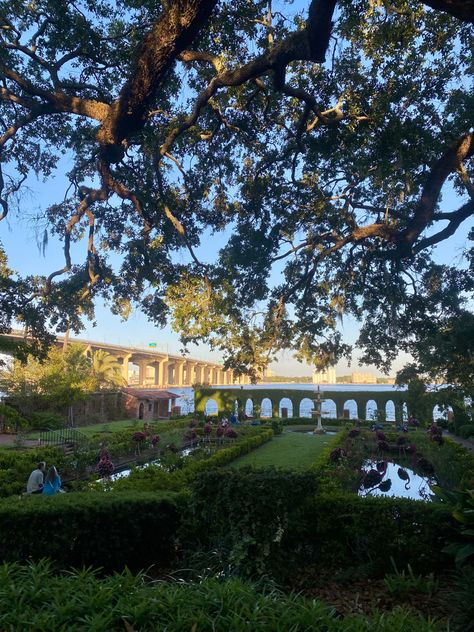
(150, 393)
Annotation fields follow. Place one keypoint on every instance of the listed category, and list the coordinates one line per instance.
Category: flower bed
(427, 454)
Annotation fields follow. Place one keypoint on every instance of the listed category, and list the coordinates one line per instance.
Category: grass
(290, 450)
(108, 427)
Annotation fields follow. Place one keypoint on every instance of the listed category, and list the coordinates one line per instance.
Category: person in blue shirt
(52, 483)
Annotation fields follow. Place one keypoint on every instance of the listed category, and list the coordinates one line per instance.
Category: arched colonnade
(364, 405)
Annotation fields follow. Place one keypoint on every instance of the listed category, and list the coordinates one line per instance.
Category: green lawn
(291, 450)
(106, 427)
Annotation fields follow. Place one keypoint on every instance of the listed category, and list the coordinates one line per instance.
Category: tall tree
(106, 371)
(318, 142)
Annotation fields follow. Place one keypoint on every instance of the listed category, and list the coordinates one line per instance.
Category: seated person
(35, 481)
(52, 483)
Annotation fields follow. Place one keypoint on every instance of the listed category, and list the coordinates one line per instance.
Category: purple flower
(354, 433)
(383, 446)
(208, 428)
(230, 433)
(155, 440)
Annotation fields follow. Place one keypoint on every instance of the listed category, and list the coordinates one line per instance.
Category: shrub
(252, 517)
(45, 420)
(15, 467)
(466, 431)
(349, 531)
(81, 601)
(10, 419)
(83, 529)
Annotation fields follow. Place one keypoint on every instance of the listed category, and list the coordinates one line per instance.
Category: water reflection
(384, 478)
(157, 462)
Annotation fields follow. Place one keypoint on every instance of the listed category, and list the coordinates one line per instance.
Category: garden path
(465, 442)
(9, 440)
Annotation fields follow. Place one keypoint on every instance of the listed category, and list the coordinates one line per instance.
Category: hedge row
(272, 521)
(265, 522)
(156, 478)
(83, 529)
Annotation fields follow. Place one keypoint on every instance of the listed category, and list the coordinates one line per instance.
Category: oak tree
(312, 141)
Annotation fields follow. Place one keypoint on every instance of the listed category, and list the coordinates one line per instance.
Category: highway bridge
(152, 368)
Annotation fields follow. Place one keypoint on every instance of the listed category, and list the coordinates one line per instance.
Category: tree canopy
(312, 140)
(68, 375)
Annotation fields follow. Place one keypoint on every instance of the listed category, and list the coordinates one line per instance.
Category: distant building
(327, 376)
(360, 377)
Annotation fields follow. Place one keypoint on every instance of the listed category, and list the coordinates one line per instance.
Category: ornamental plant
(139, 438)
(155, 440)
(230, 433)
(105, 467)
(337, 455)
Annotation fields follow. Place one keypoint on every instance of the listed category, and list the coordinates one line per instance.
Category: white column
(179, 376)
(125, 360)
(142, 365)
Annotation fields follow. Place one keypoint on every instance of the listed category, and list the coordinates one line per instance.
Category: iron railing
(62, 436)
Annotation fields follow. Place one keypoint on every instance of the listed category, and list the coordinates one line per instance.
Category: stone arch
(329, 409)
(211, 408)
(266, 407)
(441, 412)
(249, 407)
(305, 408)
(351, 406)
(285, 402)
(390, 410)
(371, 410)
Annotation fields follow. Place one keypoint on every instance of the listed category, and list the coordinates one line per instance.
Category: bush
(10, 419)
(34, 597)
(270, 522)
(466, 431)
(253, 518)
(83, 529)
(15, 467)
(346, 530)
(45, 420)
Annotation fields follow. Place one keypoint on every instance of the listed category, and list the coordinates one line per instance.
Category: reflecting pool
(386, 478)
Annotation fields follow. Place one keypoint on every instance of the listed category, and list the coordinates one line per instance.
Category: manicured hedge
(155, 478)
(83, 529)
(346, 530)
(36, 598)
(271, 521)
